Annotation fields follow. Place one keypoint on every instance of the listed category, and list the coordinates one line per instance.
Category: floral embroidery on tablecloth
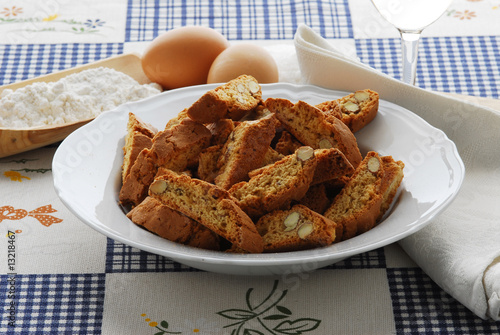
(16, 174)
(268, 316)
(162, 326)
(12, 11)
(55, 22)
(477, 8)
(466, 14)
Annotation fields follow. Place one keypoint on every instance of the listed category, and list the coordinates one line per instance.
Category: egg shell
(182, 56)
(244, 58)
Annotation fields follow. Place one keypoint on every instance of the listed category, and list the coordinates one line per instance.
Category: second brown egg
(244, 58)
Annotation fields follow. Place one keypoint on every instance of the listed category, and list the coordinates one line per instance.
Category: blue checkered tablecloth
(70, 279)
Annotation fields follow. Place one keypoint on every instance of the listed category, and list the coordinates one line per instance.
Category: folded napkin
(459, 250)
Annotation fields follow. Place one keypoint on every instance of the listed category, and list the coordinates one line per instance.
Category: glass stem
(409, 49)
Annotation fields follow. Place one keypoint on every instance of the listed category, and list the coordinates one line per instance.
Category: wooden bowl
(13, 141)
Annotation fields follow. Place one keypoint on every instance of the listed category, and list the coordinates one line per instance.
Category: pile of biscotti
(236, 173)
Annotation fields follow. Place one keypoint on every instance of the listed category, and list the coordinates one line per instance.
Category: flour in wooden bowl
(79, 96)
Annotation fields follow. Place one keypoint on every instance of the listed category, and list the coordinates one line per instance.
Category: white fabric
(460, 250)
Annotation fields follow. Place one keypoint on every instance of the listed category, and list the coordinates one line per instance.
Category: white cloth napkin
(459, 250)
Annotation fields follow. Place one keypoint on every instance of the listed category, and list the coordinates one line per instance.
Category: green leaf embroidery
(284, 310)
(34, 170)
(237, 314)
(298, 326)
(252, 332)
(264, 316)
(266, 311)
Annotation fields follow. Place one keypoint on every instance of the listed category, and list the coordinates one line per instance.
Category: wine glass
(410, 17)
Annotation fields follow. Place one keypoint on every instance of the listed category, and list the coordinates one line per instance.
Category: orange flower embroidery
(14, 11)
(466, 14)
(15, 176)
(41, 214)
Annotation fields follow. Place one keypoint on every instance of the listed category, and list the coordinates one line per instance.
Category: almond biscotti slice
(163, 221)
(276, 185)
(232, 100)
(178, 147)
(220, 130)
(207, 163)
(358, 108)
(177, 119)
(317, 199)
(139, 136)
(313, 128)
(271, 157)
(332, 164)
(298, 228)
(357, 206)
(135, 187)
(287, 143)
(393, 177)
(245, 150)
(209, 205)
(331, 108)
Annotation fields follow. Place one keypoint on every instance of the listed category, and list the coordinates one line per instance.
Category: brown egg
(241, 59)
(182, 56)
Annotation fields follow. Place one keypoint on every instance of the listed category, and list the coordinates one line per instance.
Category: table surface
(59, 276)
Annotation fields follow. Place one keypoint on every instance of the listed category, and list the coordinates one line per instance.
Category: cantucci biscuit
(244, 150)
(276, 185)
(287, 144)
(178, 147)
(163, 221)
(316, 198)
(298, 228)
(358, 108)
(332, 164)
(135, 186)
(393, 176)
(313, 128)
(207, 163)
(229, 101)
(359, 205)
(139, 136)
(209, 205)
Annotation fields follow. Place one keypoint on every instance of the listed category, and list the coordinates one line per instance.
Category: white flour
(73, 98)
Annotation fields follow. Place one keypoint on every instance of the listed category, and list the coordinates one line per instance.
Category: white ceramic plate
(87, 167)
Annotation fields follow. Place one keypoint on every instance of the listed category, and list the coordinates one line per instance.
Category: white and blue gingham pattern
(55, 304)
(123, 258)
(421, 307)
(25, 61)
(465, 65)
(239, 20)
(374, 259)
